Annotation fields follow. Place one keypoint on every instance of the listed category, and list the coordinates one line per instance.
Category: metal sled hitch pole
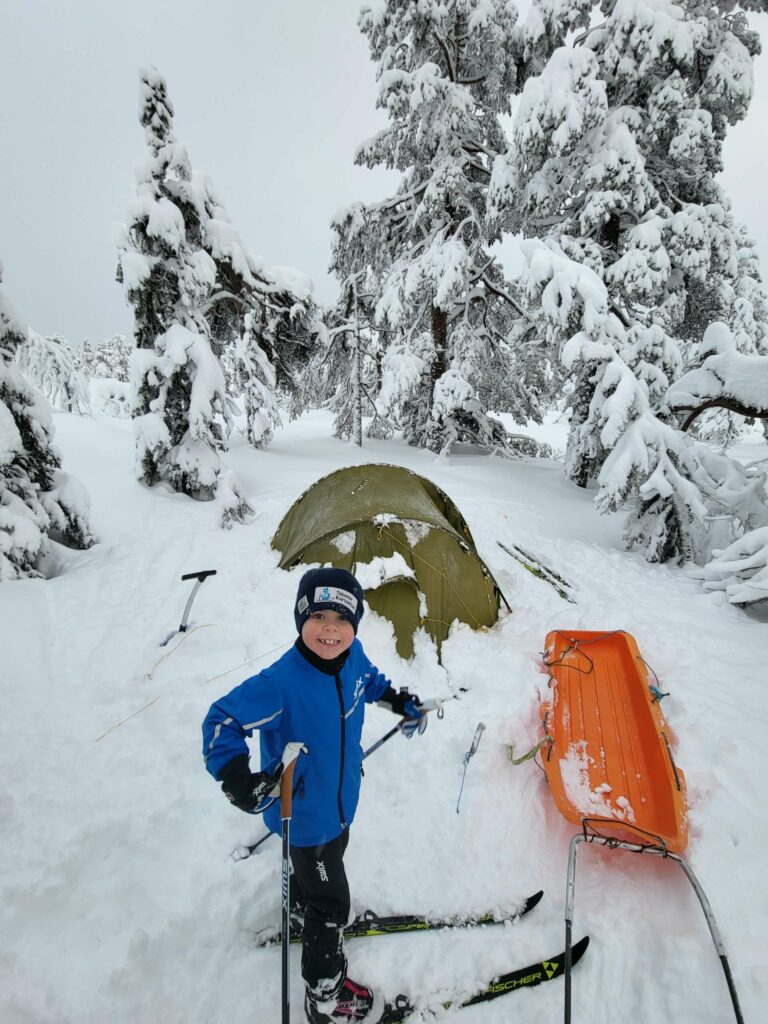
(201, 577)
(656, 849)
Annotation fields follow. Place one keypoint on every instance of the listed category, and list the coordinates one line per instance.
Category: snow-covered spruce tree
(670, 483)
(344, 371)
(37, 500)
(48, 363)
(180, 415)
(278, 300)
(446, 69)
(108, 358)
(255, 380)
(615, 146)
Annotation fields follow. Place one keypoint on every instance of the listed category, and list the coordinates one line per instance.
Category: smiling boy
(316, 694)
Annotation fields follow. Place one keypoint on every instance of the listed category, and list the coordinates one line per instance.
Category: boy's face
(327, 634)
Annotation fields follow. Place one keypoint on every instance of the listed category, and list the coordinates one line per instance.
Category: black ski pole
(290, 756)
(385, 737)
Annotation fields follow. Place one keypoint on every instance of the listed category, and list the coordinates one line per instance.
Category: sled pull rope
(577, 645)
(656, 691)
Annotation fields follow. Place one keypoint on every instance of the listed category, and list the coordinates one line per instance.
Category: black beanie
(334, 589)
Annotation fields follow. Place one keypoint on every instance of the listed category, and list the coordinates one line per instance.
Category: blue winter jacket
(294, 701)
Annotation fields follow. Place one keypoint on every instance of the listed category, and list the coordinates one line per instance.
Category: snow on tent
(406, 542)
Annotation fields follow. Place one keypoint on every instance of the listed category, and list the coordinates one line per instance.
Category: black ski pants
(319, 883)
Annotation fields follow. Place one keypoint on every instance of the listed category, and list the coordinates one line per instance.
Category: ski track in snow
(119, 900)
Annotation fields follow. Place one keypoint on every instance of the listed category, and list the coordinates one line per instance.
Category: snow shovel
(201, 577)
(290, 756)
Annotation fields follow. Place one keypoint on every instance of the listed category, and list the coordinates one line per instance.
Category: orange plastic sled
(608, 758)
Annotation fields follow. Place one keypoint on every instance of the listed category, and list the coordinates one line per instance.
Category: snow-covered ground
(119, 901)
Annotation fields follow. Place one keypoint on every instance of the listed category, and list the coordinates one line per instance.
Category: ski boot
(353, 1003)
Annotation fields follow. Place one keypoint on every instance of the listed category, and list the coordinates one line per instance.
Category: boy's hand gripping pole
(289, 759)
(429, 705)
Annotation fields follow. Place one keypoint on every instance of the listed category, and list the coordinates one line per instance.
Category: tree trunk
(357, 373)
(440, 339)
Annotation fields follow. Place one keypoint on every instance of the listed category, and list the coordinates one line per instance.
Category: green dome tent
(406, 542)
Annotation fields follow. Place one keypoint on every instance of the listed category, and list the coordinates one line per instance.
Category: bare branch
(720, 403)
(446, 53)
(507, 298)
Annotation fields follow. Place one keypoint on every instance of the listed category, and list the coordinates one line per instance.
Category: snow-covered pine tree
(615, 147)
(180, 415)
(446, 69)
(48, 363)
(37, 500)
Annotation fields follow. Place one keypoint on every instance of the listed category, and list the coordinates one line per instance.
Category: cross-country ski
(538, 973)
(369, 924)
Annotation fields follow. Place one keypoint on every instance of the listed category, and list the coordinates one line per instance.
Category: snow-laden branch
(726, 379)
(740, 570)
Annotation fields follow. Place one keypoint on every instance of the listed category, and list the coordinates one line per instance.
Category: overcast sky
(272, 97)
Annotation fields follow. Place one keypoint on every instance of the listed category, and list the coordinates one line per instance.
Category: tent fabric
(406, 542)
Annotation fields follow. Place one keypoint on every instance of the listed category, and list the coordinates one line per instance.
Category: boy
(316, 694)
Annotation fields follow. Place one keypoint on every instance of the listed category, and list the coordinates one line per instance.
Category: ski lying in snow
(398, 1011)
(369, 924)
(541, 571)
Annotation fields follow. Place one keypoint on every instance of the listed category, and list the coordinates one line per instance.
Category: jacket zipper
(343, 743)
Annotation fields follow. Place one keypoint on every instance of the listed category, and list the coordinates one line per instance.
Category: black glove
(244, 788)
(408, 705)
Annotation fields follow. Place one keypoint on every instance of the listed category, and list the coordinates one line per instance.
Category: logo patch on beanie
(335, 595)
(302, 605)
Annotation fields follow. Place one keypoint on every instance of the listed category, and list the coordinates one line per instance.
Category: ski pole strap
(475, 742)
(531, 753)
(468, 757)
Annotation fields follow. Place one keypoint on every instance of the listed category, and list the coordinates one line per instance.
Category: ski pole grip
(289, 759)
(200, 576)
(286, 792)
